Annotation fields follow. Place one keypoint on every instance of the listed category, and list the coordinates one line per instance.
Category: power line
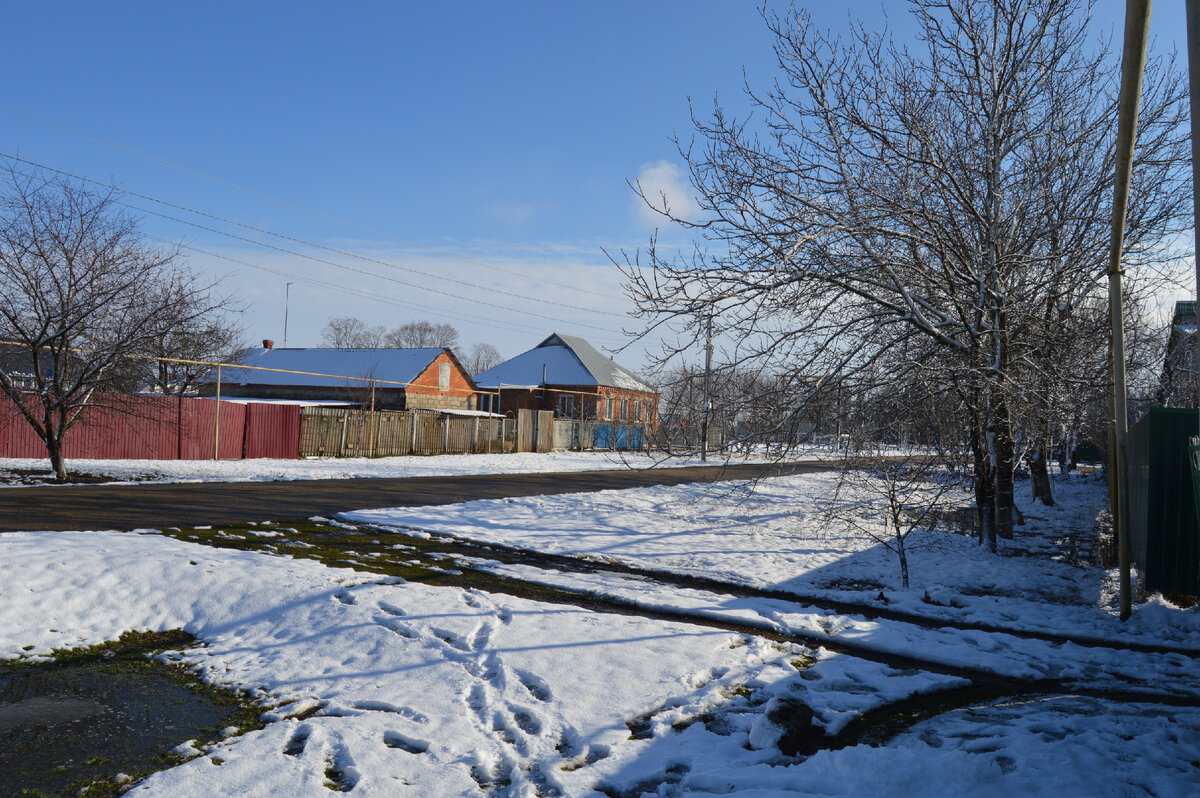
(83, 134)
(345, 267)
(303, 242)
(456, 315)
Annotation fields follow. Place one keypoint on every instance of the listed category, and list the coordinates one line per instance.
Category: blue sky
(488, 143)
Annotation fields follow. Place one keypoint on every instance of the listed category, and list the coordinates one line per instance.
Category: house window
(566, 406)
(637, 410)
(443, 376)
(608, 408)
(624, 409)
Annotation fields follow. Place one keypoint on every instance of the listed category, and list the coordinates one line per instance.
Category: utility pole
(1133, 62)
(1193, 45)
(707, 386)
(287, 295)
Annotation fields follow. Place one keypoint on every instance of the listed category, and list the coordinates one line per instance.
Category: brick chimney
(268, 343)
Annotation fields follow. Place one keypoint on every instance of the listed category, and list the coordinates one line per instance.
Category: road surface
(54, 507)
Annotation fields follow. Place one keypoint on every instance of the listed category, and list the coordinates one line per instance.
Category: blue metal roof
(395, 365)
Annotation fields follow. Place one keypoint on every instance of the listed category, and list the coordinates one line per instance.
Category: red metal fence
(117, 427)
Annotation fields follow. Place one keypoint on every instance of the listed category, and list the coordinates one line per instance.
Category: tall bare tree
(481, 357)
(80, 290)
(422, 334)
(348, 332)
(180, 348)
(933, 202)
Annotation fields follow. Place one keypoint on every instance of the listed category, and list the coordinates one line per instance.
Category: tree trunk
(54, 449)
(1003, 443)
(984, 484)
(1039, 474)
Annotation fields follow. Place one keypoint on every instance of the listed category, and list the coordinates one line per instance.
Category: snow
(440, 691)
(776, 534)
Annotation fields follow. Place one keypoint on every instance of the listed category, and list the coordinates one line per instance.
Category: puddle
(71, 726)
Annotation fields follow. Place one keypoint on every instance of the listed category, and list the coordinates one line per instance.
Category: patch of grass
(139, 653)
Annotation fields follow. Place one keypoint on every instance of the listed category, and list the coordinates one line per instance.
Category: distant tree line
(349, 332)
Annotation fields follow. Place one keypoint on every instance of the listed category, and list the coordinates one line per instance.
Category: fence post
(445, 434)
(371, 428)
(217, 419)
(413, 448)
(475, 436)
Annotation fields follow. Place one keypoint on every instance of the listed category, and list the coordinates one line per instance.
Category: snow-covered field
(439, 691)
(776, 534)
(265, 470)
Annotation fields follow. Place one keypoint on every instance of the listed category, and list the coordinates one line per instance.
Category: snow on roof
(394, 365)
(564, 360)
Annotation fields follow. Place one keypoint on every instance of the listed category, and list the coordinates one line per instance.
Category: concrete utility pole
(287, 296)
(1133, 62)
(707, 387)
(1193, 45)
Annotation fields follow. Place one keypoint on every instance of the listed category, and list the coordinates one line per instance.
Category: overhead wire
(419, 287)
(494, 323)
(301, 241)
(154, 159)
(345, 267)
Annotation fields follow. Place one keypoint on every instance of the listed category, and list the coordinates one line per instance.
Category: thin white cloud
(664, 185)
(513, 213)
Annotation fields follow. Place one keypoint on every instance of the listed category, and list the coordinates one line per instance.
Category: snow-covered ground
(777, 534)
(265, 470)
(439, 691)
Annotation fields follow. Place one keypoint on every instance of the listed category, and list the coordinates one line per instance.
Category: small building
(381, 379)
(568, 376)
(1178, 386)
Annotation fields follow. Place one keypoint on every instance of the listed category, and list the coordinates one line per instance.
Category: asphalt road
(54, 507)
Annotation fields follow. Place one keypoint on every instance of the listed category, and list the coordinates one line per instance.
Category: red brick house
(568, 375)
(387, 379)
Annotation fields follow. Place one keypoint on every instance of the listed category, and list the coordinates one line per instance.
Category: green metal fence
(1164, 520)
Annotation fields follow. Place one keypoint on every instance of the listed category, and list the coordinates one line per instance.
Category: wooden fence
(352, 432)
(174, 428)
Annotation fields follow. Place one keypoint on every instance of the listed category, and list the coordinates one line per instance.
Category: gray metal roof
(605, 370)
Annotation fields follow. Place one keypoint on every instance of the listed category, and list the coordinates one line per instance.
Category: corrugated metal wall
(117, 427)
(1164, 535)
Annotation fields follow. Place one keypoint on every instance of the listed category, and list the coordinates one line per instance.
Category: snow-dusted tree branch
(80, 290)
(935, 213)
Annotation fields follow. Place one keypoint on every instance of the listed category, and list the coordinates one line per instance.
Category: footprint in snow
(483, 636)
(526, 721)
(409, 744)
(452, 639)
(295, 744)
(397, 627)
(391, 609)
(372, 705)
(536, 685)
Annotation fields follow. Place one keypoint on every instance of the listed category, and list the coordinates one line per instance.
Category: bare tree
(922, 206)
(80, 291)
(481, 357)
(180, 348)
(348, 332)
(890, 500)
(422, 334)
